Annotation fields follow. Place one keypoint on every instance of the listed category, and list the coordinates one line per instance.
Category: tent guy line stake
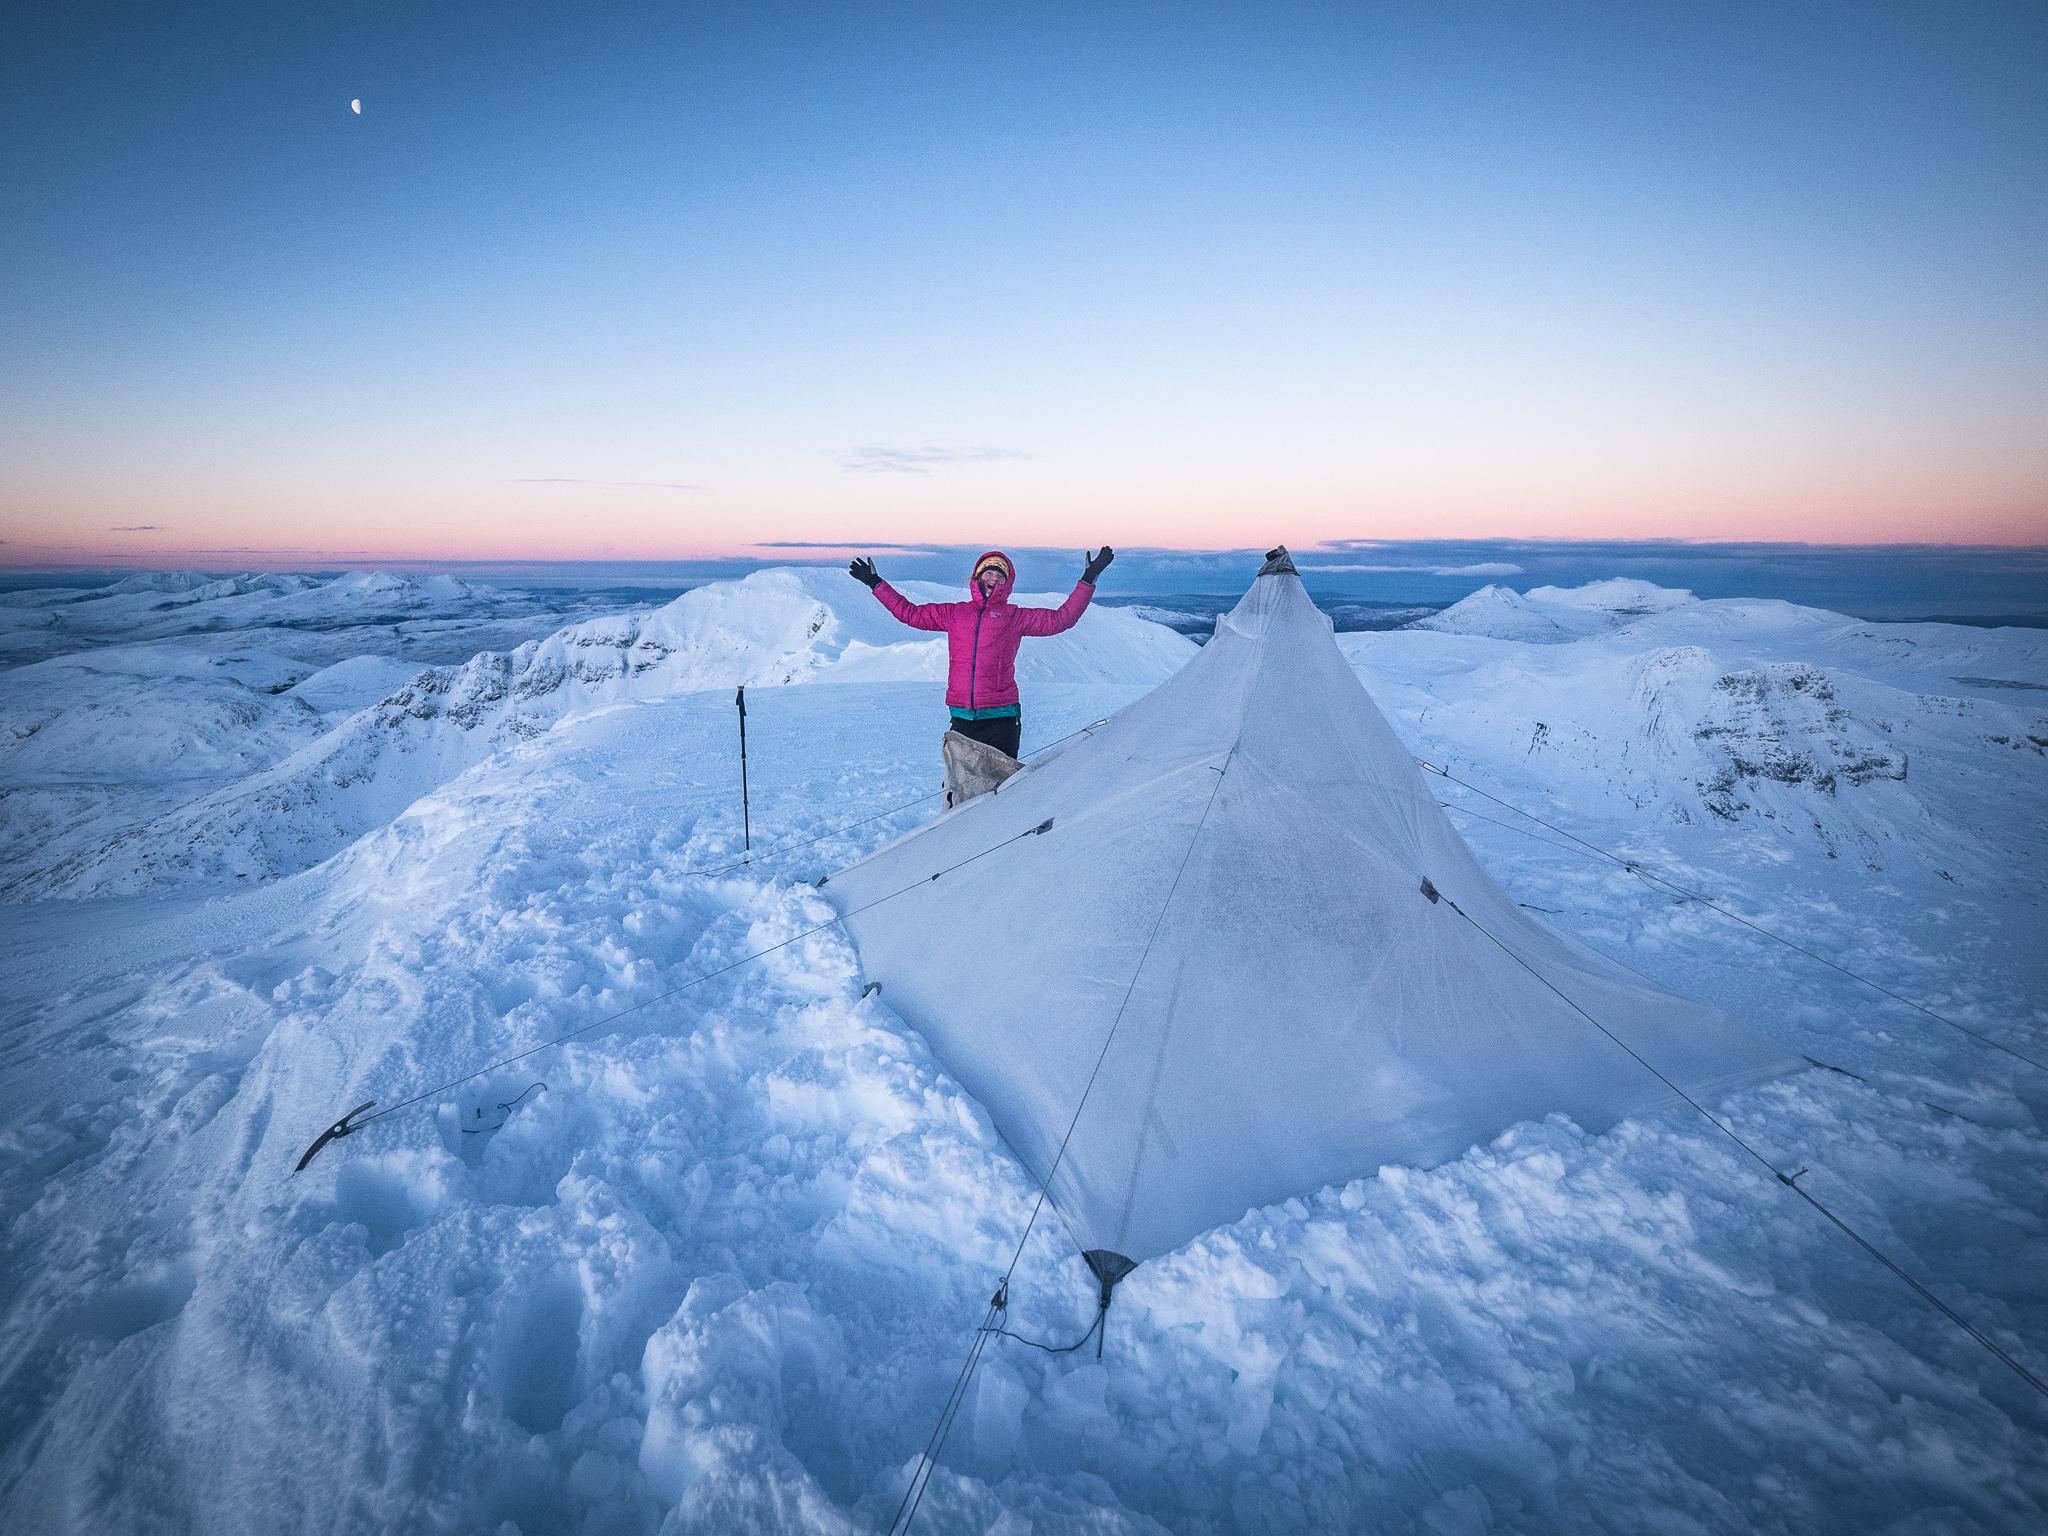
(927, 1463)
(343, 1127)
(1789, 1180)
(1707, 901)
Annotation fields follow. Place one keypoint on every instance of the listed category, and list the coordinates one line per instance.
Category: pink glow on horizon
(1846, 526)
(429, 518)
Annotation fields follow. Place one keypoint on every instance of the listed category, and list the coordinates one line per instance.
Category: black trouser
(1003, 732)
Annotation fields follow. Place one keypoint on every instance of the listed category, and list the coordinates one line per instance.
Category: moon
(356, 106)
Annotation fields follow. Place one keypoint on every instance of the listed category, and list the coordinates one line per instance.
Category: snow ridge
(1554, 615)
(774, 628)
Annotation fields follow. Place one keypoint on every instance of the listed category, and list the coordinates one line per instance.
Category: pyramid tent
(1228, 914)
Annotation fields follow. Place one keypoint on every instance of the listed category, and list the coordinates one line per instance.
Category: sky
(673, 282)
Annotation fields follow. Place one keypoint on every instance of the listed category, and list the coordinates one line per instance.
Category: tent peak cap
(1278, 562)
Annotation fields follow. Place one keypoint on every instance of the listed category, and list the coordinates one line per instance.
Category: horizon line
(44, 559)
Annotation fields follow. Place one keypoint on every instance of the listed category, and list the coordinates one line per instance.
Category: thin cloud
(837, 544)
(137, 528)
(1483, 568)
(875, 460)
(872, 546)
(271, 552)
(641, 485)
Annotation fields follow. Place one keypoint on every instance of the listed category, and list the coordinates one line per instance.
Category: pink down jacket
(982, 637)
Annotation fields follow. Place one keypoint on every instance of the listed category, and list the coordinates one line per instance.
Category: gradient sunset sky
(662, 281)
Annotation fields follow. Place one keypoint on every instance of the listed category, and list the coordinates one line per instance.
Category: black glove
(863, 571)
(1097, 564)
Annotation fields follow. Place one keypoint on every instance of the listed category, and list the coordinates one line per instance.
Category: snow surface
(425, 618)
(775, 627)
(355, 684)
(718, 1273)
(1553, 615)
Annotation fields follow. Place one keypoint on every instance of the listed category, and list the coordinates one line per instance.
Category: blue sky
(643, 281)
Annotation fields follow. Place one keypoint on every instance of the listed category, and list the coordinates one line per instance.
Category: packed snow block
(973, 768)
(1301, 972)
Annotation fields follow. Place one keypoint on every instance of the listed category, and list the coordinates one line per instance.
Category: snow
(718, 1274)
(102, 740)
(775, 627)
(1618, 595)
(355, 684)
(1553, 615)
(311, 619)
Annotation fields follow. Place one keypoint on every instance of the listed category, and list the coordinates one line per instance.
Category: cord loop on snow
(505, 1108)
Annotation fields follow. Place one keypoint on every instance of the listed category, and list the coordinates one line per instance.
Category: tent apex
(1278, 562)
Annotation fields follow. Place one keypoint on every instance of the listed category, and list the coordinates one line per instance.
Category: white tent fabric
(1304, 1014)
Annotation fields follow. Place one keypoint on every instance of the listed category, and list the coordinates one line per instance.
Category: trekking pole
(746, 813)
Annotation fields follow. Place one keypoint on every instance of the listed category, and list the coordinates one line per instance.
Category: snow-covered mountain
(1863, 741)
(1553, 615)
(711, 1266)
(97, 742)
(123, 702)
(309, 619)
(774, 628)
(355, 684)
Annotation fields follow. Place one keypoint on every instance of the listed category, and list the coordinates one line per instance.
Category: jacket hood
(1002, 591)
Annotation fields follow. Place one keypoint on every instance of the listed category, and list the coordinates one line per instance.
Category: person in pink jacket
(982, 636)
